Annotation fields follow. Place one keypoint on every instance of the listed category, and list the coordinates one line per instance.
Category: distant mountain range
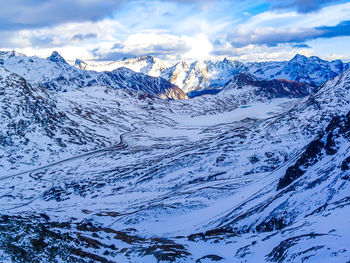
(56, 74)
(164, 80)
(209, 77)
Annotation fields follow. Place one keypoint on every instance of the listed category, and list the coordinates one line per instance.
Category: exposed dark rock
(56, 57)
(211, 257)
(271, 225)
(38, 244)
(339, 126)
(83, 254)
(279, 253)
(167, 252)
(346, 164)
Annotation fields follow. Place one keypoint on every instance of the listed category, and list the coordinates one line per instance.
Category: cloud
(259, 53)
(270, 36)
(302, 6)
(168, 14)
(62, 35)
(327, 16)
(164, 46)
(81, 37)
(23, 14)
(342, 29)
(142, 44)
(185, 29)
(301, 46)
(32, 14)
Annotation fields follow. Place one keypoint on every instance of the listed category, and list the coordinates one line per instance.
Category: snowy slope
(262, 176)
(39, 127)
(297, 214)
(56, 74)
(192, 178)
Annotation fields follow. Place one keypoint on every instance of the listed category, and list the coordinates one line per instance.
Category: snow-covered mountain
(128, 79)
(312, 70)
(298, 212)
(39, 126)
(257, 173)
(209, 77)
(187, 76)
(149, 65)
(249, 86)
(199, 76)
(56, 74)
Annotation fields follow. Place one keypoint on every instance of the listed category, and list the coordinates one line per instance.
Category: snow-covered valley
(99, 167)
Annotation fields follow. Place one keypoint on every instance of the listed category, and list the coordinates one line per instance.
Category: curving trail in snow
(122, 144)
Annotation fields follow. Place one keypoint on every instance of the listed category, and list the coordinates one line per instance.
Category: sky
(245, 30)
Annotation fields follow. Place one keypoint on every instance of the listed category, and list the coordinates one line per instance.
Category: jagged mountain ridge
(312, 70)
(187, 76)
(56, 74)
(200, 76)
(155, 86)
(267, 88)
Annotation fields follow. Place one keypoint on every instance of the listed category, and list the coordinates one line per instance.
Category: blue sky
(177, 29)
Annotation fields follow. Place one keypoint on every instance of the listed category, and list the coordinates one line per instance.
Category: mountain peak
(299, 58)
(10, 54)
(315, 58)
(80, 64)
(148, 58)
(56, 57)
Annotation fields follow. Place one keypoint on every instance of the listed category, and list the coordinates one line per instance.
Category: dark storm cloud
(272, 37)
(302, 6)
(22, 14)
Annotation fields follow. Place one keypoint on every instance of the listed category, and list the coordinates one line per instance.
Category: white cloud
(63, 38)
(330, 16)
(270, 36)
(261, 53)
(183, 36)
(65, 34)
(164, 45)
(201, 47)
